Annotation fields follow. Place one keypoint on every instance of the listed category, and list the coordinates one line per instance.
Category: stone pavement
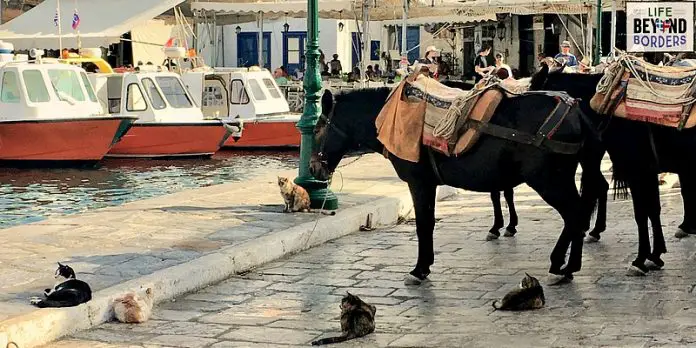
(112, 245)
(295, 300)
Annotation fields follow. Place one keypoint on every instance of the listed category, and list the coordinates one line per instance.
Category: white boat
(50, 115)
(250, 95)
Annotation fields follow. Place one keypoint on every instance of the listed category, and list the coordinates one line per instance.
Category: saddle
(422, 111)
(640, 91)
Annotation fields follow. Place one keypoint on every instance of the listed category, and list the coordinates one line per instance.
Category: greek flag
(75, 20)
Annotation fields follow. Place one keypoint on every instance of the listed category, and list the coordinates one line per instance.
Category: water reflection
(29, 195)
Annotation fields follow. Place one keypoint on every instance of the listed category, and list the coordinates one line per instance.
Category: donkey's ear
(327, 102)
(60, 265)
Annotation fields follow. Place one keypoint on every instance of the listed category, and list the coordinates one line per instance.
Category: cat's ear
(60, 265)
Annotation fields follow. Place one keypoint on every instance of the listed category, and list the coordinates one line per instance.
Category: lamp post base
(320, 195)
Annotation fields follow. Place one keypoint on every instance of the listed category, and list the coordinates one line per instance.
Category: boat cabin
(39, 90)
(244, 93)
(155, 97)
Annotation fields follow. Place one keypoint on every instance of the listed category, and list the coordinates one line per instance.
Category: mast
(60, 30)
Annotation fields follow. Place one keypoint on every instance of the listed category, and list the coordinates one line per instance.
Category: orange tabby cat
(133, 307)
(296, 197)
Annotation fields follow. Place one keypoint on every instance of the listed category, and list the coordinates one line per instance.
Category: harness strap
(495, 130)
(552, 122)
(433, 164)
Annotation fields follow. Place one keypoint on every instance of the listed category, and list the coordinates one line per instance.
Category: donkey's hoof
(681, 233)
(510, 232)
(654, 263)
(410, 279)
(491, 236)
(636, 270)
(557, 279)
(591, 239)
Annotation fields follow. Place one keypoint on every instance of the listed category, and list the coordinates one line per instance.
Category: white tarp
(102, 22)
(148, 39)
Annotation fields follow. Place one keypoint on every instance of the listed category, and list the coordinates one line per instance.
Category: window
(36, 86)
(256, 90)
(238, 94)
(153, 94)
(88, 87)
(271, 88)
(135, 100)
(66, 84)
(212, 96)
(174, 91)
(10, 87)
(294, 50)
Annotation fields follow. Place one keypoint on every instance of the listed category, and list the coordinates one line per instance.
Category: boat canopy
(102, 22)
(46, 91)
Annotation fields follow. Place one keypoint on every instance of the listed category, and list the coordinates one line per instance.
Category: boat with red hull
(169, 123)
(250, 95)
(171, 140)
(50, 116)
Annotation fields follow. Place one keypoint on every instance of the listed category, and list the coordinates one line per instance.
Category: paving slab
(294, 300)
(179, 243)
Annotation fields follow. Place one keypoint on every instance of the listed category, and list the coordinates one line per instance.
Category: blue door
(248, 49)
(294, 45)
(356, 49)
(412, 40)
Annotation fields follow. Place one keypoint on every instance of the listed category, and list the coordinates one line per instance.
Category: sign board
(660, 26)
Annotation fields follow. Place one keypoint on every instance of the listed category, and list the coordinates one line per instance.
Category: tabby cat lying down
(529, 295)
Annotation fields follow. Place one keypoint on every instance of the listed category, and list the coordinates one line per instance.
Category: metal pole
(365, 41)
(404, 22)
(614, 23)
(2, 10)
(319, 194)
(60, 30)
(260, 39)
(598, 37)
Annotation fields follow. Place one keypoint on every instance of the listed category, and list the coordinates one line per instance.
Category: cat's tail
(330, 340)
(57, 303)
(494, 306)
(331, 213)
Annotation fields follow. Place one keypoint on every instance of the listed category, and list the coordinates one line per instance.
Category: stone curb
(46, 325)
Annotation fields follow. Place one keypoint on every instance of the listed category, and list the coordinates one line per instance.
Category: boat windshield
(36, 86)
(66, 84)
(174, 91)
(88, 87)
(271, 88)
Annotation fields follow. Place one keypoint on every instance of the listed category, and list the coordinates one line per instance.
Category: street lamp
(238, 30)
(319, 194)
(286, 26)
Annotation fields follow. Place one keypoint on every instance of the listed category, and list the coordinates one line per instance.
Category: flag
(75, 20)
(55, 18)
(169, 42)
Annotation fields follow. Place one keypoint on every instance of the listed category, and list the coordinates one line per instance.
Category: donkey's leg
(594, 189)
(511, 229)
(561, 194)
(498, 221)
(423, 195)
(643, 190)
(602, 192)
(687, 182)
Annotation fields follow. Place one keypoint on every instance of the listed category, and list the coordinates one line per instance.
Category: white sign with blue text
(660, 26)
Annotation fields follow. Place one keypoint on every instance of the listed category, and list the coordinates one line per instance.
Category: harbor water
(30, 195)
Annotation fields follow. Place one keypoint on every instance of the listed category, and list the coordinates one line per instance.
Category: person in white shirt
(503, 70)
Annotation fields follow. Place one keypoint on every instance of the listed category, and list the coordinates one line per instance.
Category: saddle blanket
(644, 92)
(424, 111)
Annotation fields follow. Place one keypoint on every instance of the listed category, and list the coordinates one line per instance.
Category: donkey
(492, 164)
(593, 189)
(639, 152)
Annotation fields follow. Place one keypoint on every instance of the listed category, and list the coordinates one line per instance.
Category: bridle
(328, 125)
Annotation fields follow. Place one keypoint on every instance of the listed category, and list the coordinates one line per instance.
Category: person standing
(481, 64)
(503, 70)
(565, 54)
(430, 59)
(335, 64)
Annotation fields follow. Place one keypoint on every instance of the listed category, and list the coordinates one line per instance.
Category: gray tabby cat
(357, 320)
(529, 295)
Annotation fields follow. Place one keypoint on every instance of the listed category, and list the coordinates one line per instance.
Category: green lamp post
(319, 193)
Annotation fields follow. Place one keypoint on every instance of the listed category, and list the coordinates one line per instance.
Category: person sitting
(280, 77)
(354, 76)
(370, 74)
(378, 72)
(566, 56)
(503, 70)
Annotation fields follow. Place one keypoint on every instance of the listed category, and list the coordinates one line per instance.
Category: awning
(442, 19)
(516, 7)
(292, 8)
(102, 22)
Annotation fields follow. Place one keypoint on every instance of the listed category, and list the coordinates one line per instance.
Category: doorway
(527, 58)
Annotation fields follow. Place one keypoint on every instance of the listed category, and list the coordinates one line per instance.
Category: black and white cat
(68, 291)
